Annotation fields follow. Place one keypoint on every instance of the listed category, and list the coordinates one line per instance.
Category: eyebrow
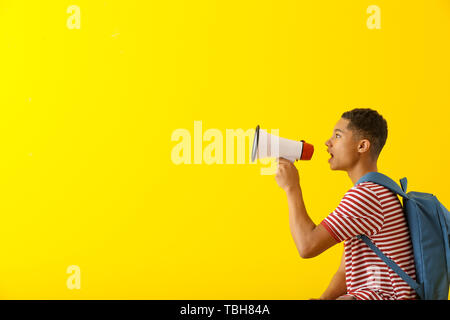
(339, 130)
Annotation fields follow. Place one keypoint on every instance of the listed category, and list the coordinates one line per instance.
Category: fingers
(283, 160)
(284, 165)
(280, 167)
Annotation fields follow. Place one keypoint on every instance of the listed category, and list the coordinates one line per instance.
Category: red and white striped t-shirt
(375, 211)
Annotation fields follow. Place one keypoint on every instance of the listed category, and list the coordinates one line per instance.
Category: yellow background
(87, 116)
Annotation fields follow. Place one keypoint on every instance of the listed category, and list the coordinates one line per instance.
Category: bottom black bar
(216, 309)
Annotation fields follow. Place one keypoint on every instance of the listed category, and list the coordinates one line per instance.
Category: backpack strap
(385, 181)
(390, 184)
(404, 184)
(391, 264)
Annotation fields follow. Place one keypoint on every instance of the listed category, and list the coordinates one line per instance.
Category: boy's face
(342, 147)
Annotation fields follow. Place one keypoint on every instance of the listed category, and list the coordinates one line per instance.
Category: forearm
(336, 288)
(300, 223)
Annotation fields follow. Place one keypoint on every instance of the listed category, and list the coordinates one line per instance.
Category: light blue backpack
(429, 227)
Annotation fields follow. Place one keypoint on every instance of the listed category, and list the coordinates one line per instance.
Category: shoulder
(367, 189)
(366, 193)
(370, 187)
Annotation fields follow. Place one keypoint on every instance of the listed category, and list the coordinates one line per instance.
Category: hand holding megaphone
(266, 145)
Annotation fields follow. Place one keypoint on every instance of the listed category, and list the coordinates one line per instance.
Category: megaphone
(266, 145)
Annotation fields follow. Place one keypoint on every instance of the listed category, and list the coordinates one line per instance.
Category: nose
(327, 143)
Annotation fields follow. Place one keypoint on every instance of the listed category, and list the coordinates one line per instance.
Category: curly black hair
(368, 124)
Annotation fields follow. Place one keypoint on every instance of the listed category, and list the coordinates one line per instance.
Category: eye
(338, 135)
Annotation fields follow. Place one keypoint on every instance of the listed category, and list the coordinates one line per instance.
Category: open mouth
(331, 156)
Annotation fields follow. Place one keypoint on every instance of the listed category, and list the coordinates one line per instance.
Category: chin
(334, 167)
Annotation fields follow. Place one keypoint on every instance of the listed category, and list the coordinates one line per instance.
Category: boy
(367, 208)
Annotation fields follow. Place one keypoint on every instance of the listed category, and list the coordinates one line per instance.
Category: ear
(363, 146)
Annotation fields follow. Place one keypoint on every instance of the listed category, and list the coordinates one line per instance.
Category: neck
(361, 169)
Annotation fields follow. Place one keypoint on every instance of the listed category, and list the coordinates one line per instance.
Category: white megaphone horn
(266, 145)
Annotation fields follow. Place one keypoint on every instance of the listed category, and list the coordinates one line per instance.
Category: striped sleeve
(359, 212)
